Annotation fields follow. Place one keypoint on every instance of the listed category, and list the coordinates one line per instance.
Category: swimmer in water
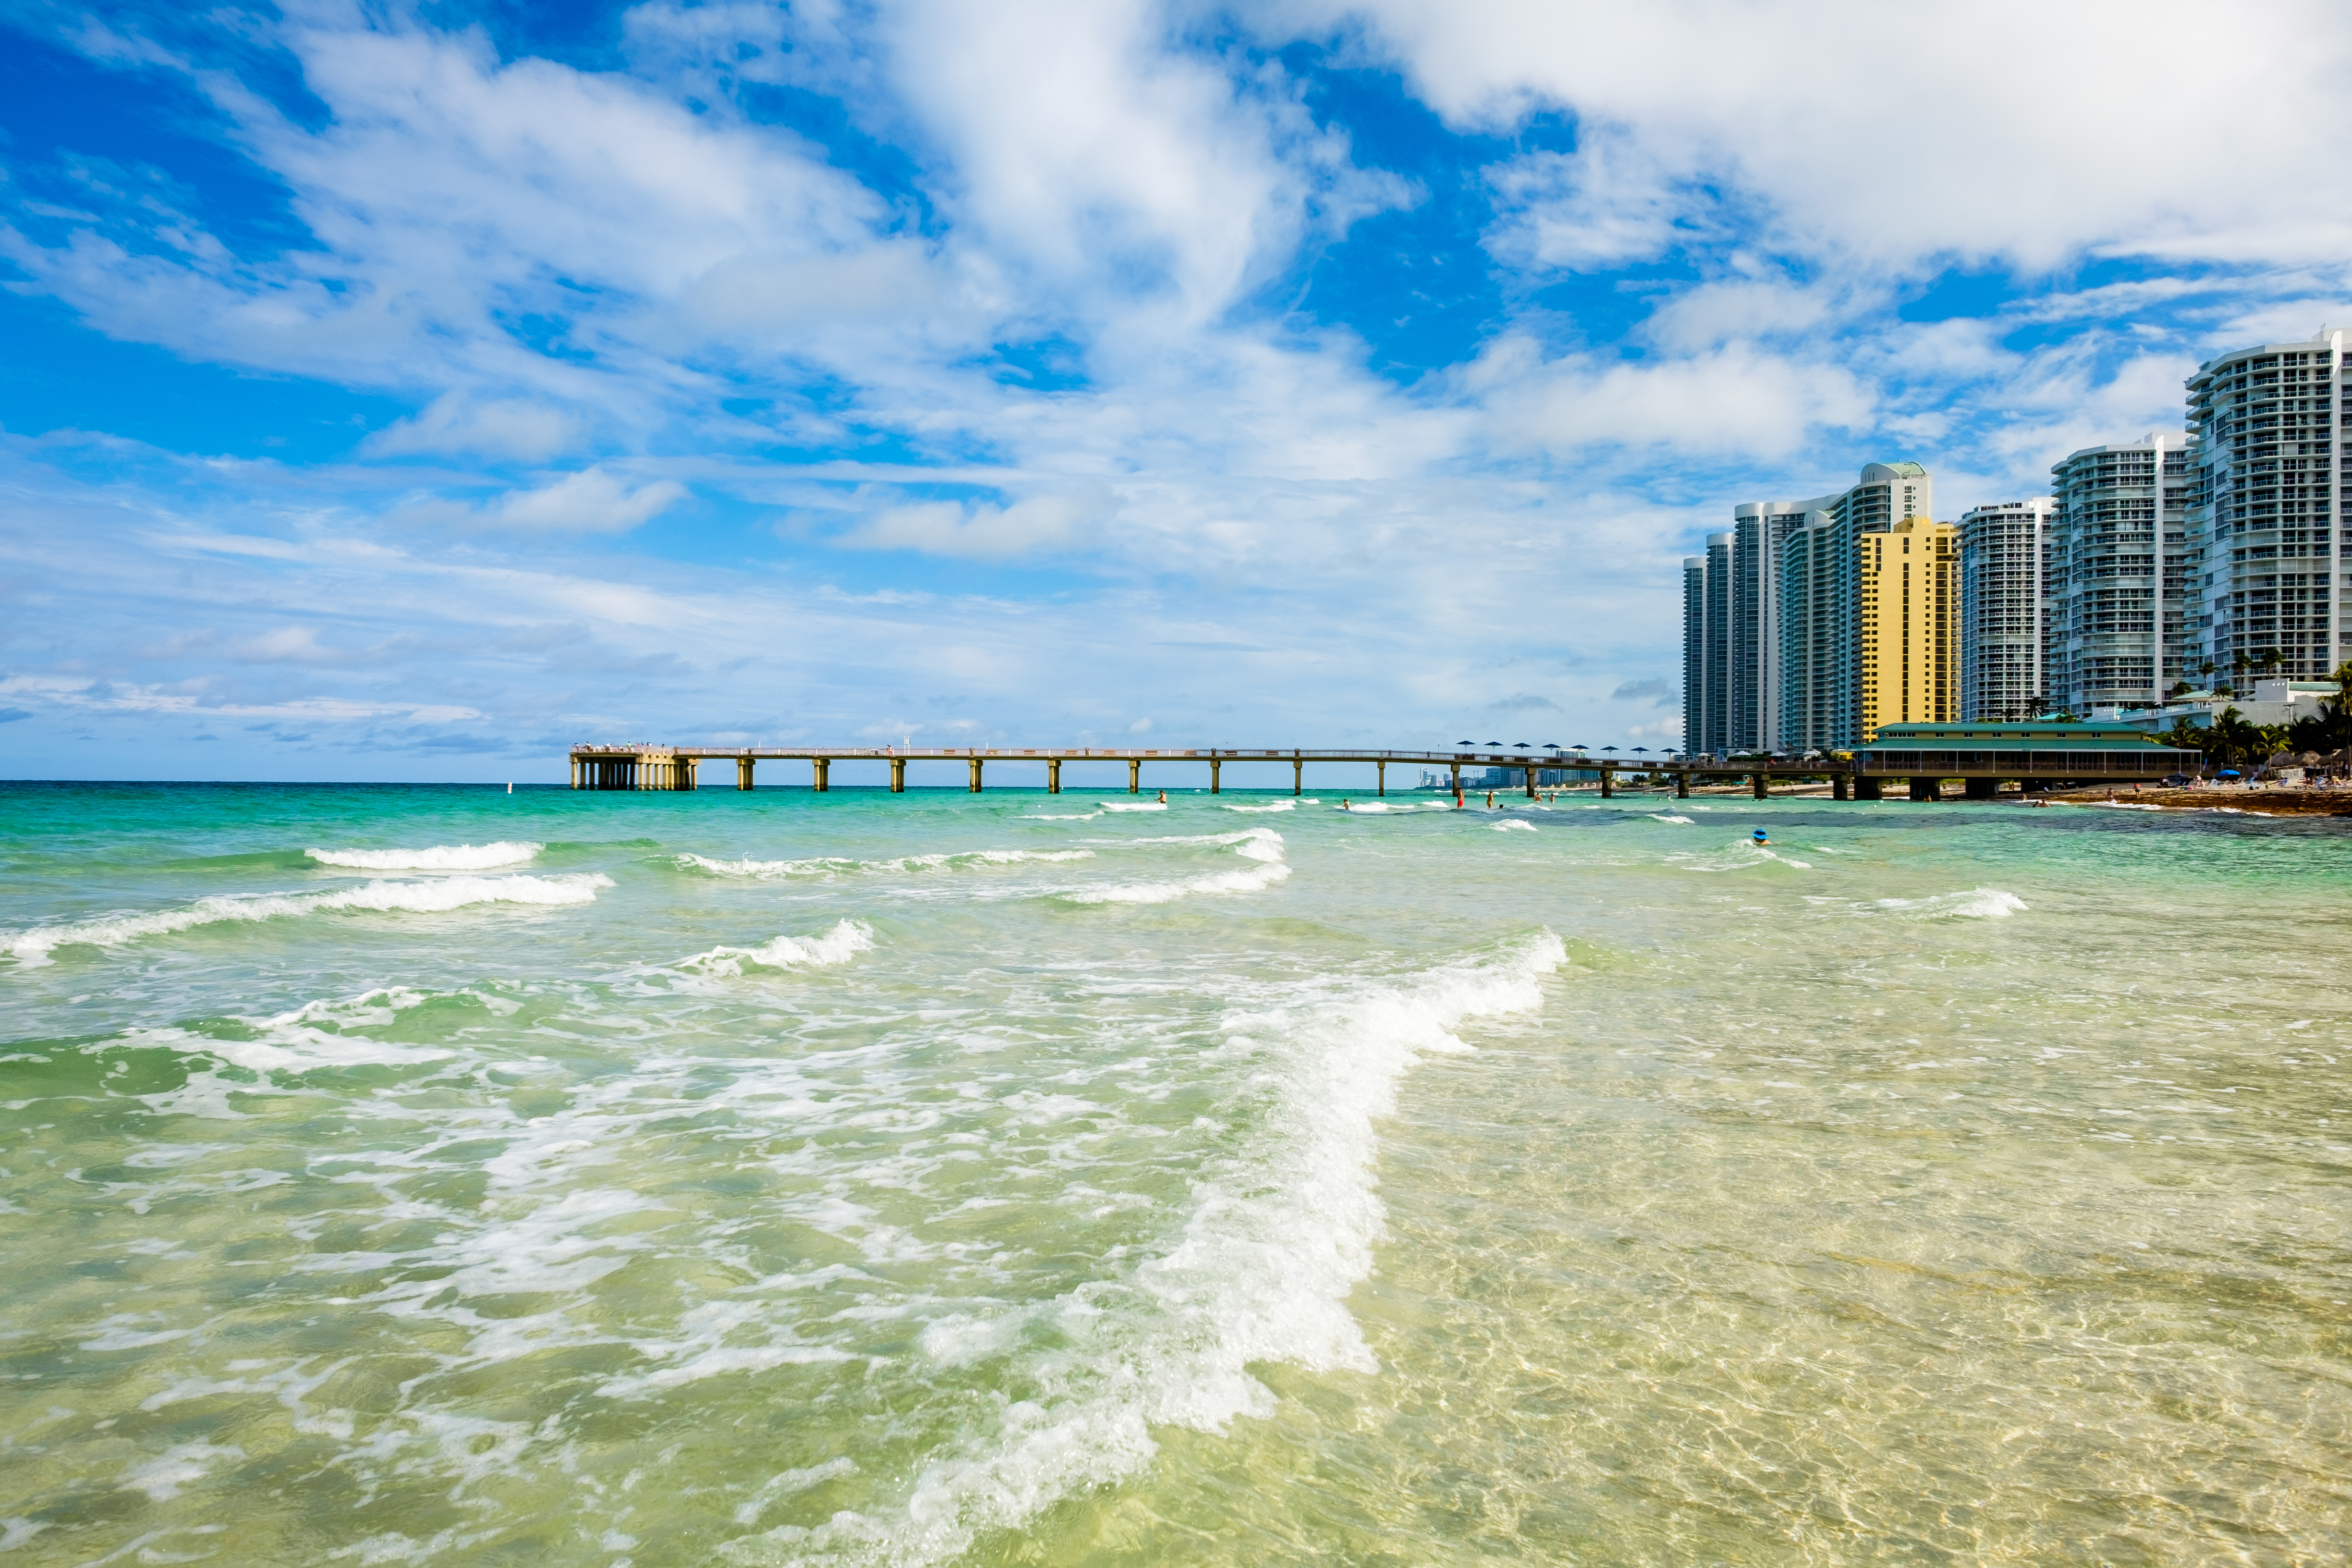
(1163, 794)
(1345, 806)
(1761, 837)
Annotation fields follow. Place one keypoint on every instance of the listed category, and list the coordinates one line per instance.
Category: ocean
(440, 1176)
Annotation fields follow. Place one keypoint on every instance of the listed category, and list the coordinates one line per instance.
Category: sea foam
(1261, 1270)
(1263, 844)
(837, 866)
(33, 947)
(317, 1035)
(439, 857)
(1975, 904)
(845, 942)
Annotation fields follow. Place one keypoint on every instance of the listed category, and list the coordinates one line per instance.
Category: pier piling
(898, 775)
(1135, 775)
(975, 776)
(1757, 780)
(1213, 789)
(1382, 769)
(742, 772)
(1052, 775)
(1298, 777)
(824, 766)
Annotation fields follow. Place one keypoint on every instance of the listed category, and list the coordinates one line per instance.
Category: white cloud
(1615, 199)
(1895, 134)
(1735, 400)
(510, 427)
(590, 501)
(1064, 521)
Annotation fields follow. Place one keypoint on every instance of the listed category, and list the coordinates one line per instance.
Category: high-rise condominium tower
(2114, 625)
(1907, 666)
(2267, 513)
(2003, 562)
(1768, 618)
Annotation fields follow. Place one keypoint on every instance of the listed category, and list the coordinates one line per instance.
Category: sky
(407, 392)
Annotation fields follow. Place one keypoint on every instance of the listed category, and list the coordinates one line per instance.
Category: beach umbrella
(1465, 742)
(1645, 751)
(1551, 745)
(1608, 748)
(1520, 746)
(2229, 773)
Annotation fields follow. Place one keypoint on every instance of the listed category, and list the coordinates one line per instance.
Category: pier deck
(1863, 777)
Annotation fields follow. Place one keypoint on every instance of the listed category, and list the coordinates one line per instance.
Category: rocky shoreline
(2264, 801)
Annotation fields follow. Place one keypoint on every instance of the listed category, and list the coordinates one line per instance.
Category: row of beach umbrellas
(1554, 746)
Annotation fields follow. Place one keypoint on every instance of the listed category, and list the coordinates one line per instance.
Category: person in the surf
(1761, 837)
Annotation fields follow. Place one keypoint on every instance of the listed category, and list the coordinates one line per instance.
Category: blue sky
(407, 391)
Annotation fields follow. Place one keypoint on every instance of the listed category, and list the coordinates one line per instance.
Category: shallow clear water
(867, 1179)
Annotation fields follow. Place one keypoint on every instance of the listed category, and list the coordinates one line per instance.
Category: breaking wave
(439, 857)
(837, 866)
(1277, 1237)
(1262, 845)
(1975, 904)
(845, 942)
(33, 947)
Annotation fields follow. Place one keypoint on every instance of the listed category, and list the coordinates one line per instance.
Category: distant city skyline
(413, 394)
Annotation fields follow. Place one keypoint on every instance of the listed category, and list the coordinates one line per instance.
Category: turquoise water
(778, 1178)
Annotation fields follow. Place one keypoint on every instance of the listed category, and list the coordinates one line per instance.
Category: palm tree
(2230, 740)
(2185, 735)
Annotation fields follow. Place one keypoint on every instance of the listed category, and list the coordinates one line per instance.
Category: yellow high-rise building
(1908, 625)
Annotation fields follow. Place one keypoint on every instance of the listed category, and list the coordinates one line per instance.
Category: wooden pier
(1862, 776)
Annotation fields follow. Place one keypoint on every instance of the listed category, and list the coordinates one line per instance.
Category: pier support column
(1531, 781)
(975, 776)
(742, 772)
(1981, 789)
(1052, 775)
(1868, 788)
(1381, 774)
(1682, 785)
(1457, 779)
(685, 778)
(1298, 777)
(1926, 789)
(1135, 775)
(821, 771)
(1213, 786)
(1762, 784)
(1608, 785)
(1840, 787)
(898, 775)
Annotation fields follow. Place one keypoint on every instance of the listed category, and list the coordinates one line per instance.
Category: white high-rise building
(2269, 594)
(2115, 629)
(2004, 554)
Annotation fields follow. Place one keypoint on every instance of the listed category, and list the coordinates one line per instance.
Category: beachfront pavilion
(2040, 756)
